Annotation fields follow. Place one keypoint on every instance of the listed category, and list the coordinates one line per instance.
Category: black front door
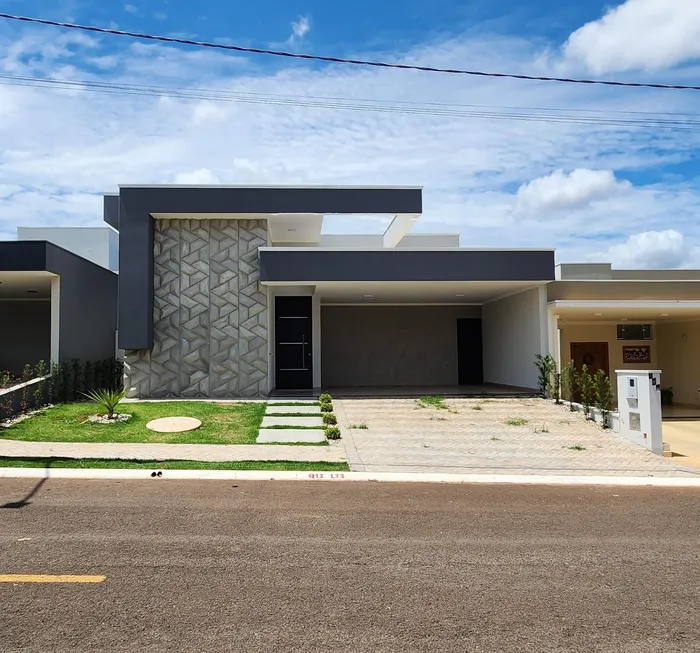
(469, 354)
(293, 359)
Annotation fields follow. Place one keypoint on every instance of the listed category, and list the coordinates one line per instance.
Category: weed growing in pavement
(493, 437)
(362, 426)
(544, 429)
(516, 421)
(477, 407)
(577, 447)
(432, 401)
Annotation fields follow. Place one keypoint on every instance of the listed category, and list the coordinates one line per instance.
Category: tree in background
(603, 396)
(569, 382)
(586, 386)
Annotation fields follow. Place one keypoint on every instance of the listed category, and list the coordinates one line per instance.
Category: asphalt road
(270, 566)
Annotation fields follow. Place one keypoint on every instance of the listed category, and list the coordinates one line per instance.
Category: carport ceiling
(25, 285)
(422, 292)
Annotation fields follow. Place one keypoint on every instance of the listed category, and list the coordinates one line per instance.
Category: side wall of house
(210, 313)
(514, 332)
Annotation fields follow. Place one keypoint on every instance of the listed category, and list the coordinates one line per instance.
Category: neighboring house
(234, 291)
(629, 319)
(54, 306)
(97, 244)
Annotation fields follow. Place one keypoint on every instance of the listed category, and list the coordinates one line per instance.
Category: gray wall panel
(390, 345)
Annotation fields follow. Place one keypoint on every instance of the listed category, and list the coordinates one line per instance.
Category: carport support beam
(55, 318)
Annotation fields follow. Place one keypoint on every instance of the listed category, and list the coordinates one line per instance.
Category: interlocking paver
(402, 436)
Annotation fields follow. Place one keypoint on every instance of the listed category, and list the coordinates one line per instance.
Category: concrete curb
(382, 477)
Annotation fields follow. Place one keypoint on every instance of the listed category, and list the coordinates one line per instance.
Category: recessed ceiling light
(368, 296)
(459, 295)
(663, 314)
(623, 319)
(598, 314)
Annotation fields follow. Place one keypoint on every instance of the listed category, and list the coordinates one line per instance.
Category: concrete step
(291, 421)
(291, 435)
(286, 410)
(292, 400)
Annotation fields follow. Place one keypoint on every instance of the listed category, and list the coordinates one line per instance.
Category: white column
(554, 337)
(316, 339)
(55, 319)
(639, 406)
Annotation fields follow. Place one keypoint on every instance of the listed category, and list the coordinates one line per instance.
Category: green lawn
(103, 463)
(221, 423)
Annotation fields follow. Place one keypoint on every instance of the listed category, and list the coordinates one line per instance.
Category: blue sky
(598, 185)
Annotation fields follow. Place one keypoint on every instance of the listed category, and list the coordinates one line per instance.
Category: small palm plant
(569, 382)
(545, 366)
(107, 399)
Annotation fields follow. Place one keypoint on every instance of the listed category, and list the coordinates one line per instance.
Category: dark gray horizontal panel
(169, 199)
(405, 265)
(23, 256)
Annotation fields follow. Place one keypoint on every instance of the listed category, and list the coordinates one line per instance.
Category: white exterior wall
(514, 332)
(97, 244)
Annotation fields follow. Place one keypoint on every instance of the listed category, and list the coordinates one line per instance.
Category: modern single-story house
(54, 306)
(235, 291)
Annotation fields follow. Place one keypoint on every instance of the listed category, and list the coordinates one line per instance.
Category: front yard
(221, 423)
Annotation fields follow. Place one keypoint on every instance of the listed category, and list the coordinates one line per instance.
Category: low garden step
(291, 421)
(287, 410)
(291, 435)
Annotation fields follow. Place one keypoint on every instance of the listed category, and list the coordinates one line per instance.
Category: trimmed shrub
(333, 433)
(327, 407)
(325, 398)
(329, 418)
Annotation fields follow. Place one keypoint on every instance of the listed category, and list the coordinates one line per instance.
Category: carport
(453, 321)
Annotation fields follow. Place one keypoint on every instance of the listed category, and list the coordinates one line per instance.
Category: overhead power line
(340, 60)
(638, 119)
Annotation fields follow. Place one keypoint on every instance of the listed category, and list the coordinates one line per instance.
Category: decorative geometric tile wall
(209, 313)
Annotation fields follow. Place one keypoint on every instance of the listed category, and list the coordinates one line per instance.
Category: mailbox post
(639, 406)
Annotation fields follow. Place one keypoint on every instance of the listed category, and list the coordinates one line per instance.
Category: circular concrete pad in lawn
(173, 424)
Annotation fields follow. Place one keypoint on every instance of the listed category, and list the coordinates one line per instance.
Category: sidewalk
(144, 451)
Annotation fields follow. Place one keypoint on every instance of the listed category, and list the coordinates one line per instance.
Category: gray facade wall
(390, 345)
(25, 334)
(88, 307)
(210, 336)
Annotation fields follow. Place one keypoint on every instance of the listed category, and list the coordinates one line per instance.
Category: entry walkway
(402, 436)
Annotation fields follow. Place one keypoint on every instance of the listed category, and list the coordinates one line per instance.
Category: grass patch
(577, 447)
(432, 401)
(295, 414)
(295, 403)
(221, 423)
(493, 437)
(324, 443)
(477, 407)
(516, 421)
(288, 426)
(544, 429)
(362, 427)
(106, 463)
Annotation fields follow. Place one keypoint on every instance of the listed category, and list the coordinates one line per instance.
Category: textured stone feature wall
(210, 313)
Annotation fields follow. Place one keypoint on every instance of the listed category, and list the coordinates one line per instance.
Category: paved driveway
(403, 436)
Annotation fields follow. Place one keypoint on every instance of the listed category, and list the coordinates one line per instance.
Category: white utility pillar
(639, 405)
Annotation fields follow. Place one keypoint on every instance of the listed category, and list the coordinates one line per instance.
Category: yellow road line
(48, 578)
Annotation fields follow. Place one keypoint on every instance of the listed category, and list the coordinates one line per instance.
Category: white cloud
(201, 176)
(560, 191)
(300, 28)
(132, 9)
(638, 35)
(654, 249)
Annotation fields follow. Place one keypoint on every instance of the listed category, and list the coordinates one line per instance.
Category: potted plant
(667, 396)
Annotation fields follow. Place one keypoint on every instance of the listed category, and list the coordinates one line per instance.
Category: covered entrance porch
(393, 339)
